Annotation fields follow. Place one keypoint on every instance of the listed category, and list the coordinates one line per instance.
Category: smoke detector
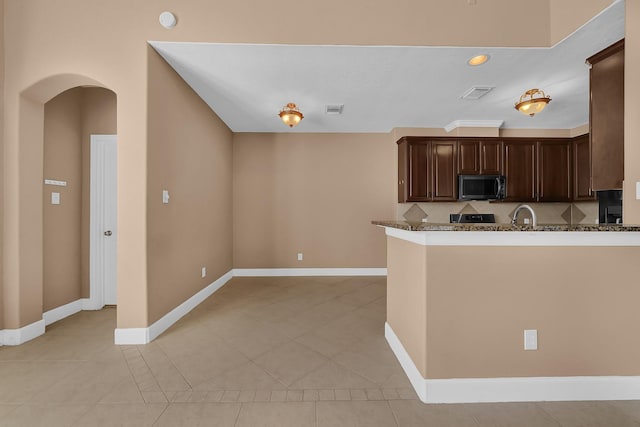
(476, 92)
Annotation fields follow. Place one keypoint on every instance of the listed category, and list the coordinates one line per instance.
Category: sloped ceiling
(384, 87)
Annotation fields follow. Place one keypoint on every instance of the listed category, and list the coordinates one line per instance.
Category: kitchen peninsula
(464, 300)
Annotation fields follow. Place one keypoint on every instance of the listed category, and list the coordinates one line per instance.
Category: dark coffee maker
(610, 207)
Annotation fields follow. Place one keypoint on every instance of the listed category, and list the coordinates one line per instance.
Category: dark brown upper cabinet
(606, 117)
(469, 157)
(427, 170)
(537, 170)
(582, 169)
(420, 179)
(554, 171)
(520, 169)
(482, 157)
(443, 164)
(491, 157)
(403, 171)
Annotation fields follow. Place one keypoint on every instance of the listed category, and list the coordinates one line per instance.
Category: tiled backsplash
(547, 213)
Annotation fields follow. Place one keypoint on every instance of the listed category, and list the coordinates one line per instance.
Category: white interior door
(103, 221)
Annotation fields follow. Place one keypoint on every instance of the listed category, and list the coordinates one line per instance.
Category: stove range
(472, 218)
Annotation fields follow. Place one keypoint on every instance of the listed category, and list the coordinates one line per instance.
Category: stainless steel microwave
(482, 187)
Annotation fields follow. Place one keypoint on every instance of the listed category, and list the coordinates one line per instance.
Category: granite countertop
(428, 226)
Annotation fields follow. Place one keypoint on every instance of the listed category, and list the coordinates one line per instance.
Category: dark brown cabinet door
(427, 170)
(491, 157)
(606, 117)
(554, 171)
(520, 170)
(403, 169)
(443, 162)
(469, 157)
(419, 179)
(582, 169)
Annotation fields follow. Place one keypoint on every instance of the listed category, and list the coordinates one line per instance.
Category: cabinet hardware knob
(108, 233)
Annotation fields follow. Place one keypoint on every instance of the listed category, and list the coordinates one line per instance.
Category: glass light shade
(291, 115)
(530, 104)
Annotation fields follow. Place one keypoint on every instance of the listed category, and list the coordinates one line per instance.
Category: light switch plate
(638, 190)
(530, 339)
(165, 196)
(299, 256)
(55, 198)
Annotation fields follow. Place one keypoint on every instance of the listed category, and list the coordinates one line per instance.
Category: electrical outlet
(526, 221)
(299, 256)
(204, 272)
(530, 339)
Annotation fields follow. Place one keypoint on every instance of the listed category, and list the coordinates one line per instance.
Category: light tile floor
(260, 352)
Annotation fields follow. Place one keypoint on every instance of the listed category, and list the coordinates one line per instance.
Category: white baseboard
(274, 272)
(521, 389)
(91, 304)
(415, 378)
(131, 336)
(34, 330)
(533, 389)
(61, 312)
(134, 336)
(22, 335)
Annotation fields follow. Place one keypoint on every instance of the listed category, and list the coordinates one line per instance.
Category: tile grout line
(235, 424)
(151, 373)
(549, 414)
(174, 366)
(161, 413)
(393, 414)
(315, 411)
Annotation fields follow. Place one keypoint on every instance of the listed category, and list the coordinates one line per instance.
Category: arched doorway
(24, 194)
(70, 120)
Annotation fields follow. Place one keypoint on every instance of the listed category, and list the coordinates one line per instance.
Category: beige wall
(98, 118)
(61, 230)
(407, 298)
(476, 315)
(49, 49)
(566, 16)
(1, 155)
(631, 205)
(311, 193)
(189, 154)
(479, 300)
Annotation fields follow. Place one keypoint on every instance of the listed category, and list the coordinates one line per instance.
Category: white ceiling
(384, 87)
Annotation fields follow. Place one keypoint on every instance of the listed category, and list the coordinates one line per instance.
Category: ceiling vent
(333, 109)
(476, 92)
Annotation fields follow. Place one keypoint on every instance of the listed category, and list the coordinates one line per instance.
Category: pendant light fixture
(532, 102)
(291, 115)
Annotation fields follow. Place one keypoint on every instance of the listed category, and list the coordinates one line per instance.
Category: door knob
(108, 233)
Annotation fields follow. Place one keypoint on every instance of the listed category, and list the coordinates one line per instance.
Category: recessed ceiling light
(478, 60)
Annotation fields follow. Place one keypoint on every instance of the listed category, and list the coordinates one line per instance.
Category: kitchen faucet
(534, 220)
